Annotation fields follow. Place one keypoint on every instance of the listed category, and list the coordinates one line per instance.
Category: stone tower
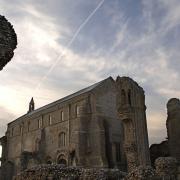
(132, 112)
(173, 127)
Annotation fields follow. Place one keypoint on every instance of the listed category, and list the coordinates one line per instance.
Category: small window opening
(50, 119)
(62, 116)
(77, 110)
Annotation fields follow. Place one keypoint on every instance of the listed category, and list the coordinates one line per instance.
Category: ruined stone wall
(131, 110)
(173, 127)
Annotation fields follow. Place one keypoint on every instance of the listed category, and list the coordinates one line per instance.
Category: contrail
(69, 44)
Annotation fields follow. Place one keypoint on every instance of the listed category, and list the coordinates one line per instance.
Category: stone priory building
(103, 125)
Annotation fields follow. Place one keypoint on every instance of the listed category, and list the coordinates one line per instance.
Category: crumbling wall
(132, 112)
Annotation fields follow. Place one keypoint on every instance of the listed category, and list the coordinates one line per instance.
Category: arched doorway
(61, 160)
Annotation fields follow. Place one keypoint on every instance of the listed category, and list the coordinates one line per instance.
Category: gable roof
(80, 92)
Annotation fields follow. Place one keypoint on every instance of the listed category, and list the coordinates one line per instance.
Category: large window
(62, 139)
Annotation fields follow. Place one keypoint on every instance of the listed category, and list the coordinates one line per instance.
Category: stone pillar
(173, 127)
(132, 112)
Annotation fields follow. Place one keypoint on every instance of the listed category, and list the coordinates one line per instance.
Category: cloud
(123, 38)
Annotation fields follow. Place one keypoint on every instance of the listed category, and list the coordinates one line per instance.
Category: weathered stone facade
(173, 127)
(82, 129)
(8, 41)
(131, 110)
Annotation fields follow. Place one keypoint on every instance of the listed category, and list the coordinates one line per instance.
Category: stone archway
(62, 160)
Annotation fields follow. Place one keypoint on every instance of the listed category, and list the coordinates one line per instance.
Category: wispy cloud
(137, 39)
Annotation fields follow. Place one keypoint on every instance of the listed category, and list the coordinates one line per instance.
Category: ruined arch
(61, 159)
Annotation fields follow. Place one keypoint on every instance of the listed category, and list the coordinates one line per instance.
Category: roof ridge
(66, 98)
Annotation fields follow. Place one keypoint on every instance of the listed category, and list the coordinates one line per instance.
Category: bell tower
(132, 112)
(31, 105)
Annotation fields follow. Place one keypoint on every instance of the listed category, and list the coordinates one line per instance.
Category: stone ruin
(139, 168)
(132, 111)
(166, 169)
(8, 41)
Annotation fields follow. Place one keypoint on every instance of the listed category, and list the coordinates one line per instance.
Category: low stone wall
(59, 172)
(142, 173)
(166, 169)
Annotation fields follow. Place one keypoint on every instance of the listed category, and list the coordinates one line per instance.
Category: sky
(66, 45)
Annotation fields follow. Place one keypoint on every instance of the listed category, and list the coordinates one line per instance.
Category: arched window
(62, 139)
(129, 97)
(123, 97)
